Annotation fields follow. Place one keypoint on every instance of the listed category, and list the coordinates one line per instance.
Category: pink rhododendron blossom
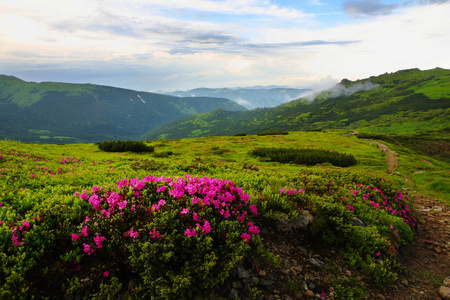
(87, 249)
(122, 204)
(161, 202)
(133, 234)
(99, 240)
(105, 274)
(184, 211)
(189, 232)
(206, 227)
(84, 231)
(161, 189)
(75, 237)
(33, 175)
(246, 237)
(253, 209)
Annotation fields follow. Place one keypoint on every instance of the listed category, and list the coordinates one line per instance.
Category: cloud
(368, 8)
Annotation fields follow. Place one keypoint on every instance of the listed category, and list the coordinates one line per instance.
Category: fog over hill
(249, 97)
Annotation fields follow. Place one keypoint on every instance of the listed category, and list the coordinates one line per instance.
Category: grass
(24, 196)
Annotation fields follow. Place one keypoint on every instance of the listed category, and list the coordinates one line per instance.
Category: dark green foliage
(305, 156)
(240, 134)
(123, 146)
(148, 165)
(272, 132)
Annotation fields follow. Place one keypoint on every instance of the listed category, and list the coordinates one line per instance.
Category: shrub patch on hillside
(305, 156)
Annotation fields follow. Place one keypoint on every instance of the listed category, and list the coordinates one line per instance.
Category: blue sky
(155, 45)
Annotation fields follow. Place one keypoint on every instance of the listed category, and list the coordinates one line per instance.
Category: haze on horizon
(176, 44)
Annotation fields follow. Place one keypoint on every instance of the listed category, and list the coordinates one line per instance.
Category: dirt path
(391, 156)
(429, 261)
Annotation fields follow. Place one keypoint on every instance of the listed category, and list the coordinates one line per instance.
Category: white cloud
(144, 41)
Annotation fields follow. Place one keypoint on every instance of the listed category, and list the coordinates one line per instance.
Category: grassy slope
(404, 102)
(219, 157)
(59, 112)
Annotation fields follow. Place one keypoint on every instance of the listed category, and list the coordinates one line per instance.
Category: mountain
(251, 97)
(406, 101)
(52, 112)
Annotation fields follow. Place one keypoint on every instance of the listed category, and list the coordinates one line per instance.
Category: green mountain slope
(406, 101)
(59, 112)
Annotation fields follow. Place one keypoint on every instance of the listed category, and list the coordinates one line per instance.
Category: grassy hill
(407, 101)
(52, 112)
(77, 222)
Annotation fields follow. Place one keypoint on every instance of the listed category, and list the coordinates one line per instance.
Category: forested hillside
(66, 113)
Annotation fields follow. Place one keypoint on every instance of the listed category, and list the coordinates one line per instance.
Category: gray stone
(358, 222)
(266, 282)
(243, 273)
(317, 263)
(252, 280)
(303, 250)
(233, 294)
(405, 282)
(311, 286)
(248, 287)
(237, 285)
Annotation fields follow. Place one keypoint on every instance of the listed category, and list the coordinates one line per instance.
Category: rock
(266, 282)
(262, 273)
(302, 250)
(287, 297)
(248, 287)
(311, 285)
(358, 222)
(302, 220)
(233, 294)
(317, 263)
(297, 269)
(237, 285)
(405, 282)
(444, 292)
(243, 273)
(309, 293)
(252, 280)
(303, 285)
(446, 282)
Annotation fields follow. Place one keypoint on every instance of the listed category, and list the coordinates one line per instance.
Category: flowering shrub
(181, 235)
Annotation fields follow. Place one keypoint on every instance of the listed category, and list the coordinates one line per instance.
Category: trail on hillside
(391, 157)
(428, 263)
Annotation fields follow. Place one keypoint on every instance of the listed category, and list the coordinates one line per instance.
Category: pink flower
(98, 241)
(133, 234)
(323, 295)
(161, 189)
(246, 237)
(377, 254)
(87, 249)
(105, 274)
(184, 211)
(206, 227)
(253, 209)
(84, 231)
(189, 232)
(75, 237)
(161, 202)
(33, 175)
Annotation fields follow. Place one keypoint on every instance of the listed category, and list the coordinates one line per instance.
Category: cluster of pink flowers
(16, 231)
(187, 196)
(290, 191)
(396, 205)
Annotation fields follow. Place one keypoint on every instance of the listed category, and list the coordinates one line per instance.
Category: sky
(162, 45)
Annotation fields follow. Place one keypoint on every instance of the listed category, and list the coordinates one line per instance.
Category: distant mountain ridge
(406, 101)
(251, 97)
(51, 112)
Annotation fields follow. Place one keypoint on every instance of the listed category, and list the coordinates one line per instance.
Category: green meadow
(58, 223)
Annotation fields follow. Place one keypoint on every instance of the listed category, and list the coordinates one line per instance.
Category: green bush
(305, 156)
(122, 146)
(272, 132)
(181, 236)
